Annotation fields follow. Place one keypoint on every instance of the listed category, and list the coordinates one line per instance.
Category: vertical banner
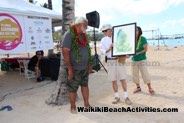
(12, 39)
(38, 33)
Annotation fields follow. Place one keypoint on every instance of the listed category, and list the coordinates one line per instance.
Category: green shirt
(141, 56)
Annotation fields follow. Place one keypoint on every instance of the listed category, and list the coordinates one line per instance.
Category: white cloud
(178, 22)
(173, 26)
(127, 7)
(111, 10)
(152, 26)
(181, 21)
(115, 8)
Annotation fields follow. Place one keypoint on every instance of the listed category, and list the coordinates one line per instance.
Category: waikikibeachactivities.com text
(127, 109)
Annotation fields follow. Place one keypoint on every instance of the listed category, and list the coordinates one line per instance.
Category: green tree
(57, 35)
(45, 5)
(32, 1)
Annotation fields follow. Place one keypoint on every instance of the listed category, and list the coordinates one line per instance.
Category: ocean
(166, 42)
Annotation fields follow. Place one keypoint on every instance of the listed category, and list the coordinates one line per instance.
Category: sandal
(138, 89)
(151, 91)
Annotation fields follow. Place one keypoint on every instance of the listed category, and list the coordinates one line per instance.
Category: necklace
(81, 43)
(76, 43)
(139, 42)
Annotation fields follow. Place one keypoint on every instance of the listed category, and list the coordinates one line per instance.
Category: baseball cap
(106, 27)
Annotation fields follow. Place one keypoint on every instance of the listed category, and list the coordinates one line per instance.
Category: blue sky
(163, 15)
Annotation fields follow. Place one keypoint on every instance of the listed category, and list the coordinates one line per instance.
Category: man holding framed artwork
(116, 67)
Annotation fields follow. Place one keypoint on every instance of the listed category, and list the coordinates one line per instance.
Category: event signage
(20, 34)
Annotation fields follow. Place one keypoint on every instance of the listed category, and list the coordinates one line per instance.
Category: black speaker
(93, 19)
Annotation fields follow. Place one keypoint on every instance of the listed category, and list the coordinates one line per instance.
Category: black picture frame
(124, 40)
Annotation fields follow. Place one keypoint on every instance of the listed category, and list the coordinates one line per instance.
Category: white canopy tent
(23, 7)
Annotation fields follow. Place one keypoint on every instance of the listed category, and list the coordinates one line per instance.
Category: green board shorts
(80, 77)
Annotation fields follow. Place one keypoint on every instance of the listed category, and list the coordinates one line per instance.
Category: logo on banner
(39, 30)
(30, 30)
(47, 42)
(47, 30)
(33, 43)
(46, 37)
(32, 37)
(10, 32)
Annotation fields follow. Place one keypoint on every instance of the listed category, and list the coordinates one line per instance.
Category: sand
(27, 98)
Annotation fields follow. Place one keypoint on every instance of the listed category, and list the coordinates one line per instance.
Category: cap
(106, 27)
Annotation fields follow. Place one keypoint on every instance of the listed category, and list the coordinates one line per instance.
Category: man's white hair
(80, 20)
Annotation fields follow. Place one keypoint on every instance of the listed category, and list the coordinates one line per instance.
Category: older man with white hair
(77, 56)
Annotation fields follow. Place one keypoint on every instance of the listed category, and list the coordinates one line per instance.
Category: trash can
(4, 66)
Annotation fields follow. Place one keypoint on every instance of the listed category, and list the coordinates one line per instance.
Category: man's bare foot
(88, 106)
(73, 110)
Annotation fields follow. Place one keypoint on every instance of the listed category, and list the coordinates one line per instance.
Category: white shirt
(105, 44)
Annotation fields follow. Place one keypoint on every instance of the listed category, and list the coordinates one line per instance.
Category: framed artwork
(124, 40)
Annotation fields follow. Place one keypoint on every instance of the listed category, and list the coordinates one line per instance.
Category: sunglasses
(106, 30)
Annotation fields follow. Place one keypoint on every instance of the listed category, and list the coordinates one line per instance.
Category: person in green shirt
(139, 62)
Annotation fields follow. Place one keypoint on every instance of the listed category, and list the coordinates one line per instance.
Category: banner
(38, 33)
(11, 34)
(20, 34)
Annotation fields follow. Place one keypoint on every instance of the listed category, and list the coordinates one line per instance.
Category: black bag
(96, 64)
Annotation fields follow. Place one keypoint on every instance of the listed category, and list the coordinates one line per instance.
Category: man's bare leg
(124, 85)
(115, 86)
(72, 96)
(85, 94)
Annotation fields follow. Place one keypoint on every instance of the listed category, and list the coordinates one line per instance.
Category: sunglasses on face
(106, 30)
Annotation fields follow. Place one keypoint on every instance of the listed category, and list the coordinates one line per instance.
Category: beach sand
(166, 67)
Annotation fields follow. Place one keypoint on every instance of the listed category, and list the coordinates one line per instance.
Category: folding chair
(28, 73)
(21, 67)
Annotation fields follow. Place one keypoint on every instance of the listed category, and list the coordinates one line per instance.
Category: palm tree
(60, 94)
(50, 4)
(68, 14)
(31, 1)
